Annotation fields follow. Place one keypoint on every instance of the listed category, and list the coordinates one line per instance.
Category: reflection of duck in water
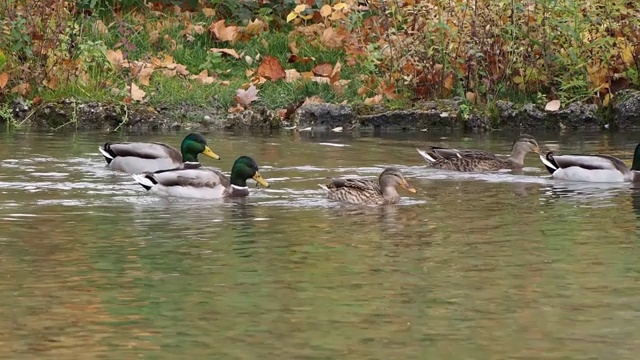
(479, 161)
(368, 191)
(592, 168)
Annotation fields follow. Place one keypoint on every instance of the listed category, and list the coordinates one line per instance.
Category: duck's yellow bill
(537, 150)
(258, 178)
(409, 188)
(207, 152)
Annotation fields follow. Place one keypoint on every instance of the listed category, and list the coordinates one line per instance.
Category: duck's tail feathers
(324, 187)
(425, 156)
(549, 162)
(105, 153)
(147, 181)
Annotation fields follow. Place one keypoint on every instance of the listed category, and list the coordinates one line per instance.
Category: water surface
(473, 266)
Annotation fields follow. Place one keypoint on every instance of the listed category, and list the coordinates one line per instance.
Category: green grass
(194, 55)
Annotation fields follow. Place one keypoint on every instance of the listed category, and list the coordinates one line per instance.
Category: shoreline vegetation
(406, 64)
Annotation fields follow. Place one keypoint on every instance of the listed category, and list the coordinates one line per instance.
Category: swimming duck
(592, 168)
(477, 160)
(140, 157)
(203, 183)
(368, 191)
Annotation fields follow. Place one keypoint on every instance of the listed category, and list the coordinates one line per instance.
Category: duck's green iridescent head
(193, 145)
(245, 168)
(636, 159)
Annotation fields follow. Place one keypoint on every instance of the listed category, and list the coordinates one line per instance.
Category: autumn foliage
(480, 50)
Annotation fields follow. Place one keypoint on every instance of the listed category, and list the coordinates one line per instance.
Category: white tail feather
(104, 153)
(426, 156)
(547, 162)
(142, 180)
(324, 187)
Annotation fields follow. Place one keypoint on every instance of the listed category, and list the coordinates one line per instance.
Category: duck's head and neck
(193, 145)
(389, 180)
(245, 168)
(521, 147)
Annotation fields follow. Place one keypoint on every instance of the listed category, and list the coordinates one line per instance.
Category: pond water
(472, 266)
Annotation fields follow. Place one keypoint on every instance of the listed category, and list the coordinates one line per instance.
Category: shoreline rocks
(623, 114)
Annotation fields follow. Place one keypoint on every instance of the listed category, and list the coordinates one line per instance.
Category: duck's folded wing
(143, 150)
(448, 153)
(591, 162)
(191, 178)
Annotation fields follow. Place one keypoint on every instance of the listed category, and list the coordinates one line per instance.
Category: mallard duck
(203, 183)
(140, 157)
(477, 160)
(592, 168)
(368, 191)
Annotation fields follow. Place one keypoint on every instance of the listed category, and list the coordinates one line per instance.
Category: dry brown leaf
(258, 80)
(222, 32)
(249, 72)
(22, 89)
(246, 97)
(293, 47)
(448, 82)
(37, 100)
(331, 39)
(208, 12)
(198, 29)
(471, 96)
(292, 75)
(323, 69)
(115, 58)
(172, 43)
(51, 83)
(144, 75)
(335, 73)
(553, 105)
(339, 86)
(255, 27)
(302, 60)
(181, 70)
(236, 109)
(4, 79)
(307, 75)
(230, 52)
(154, 36)
(204, 78)
(373, 100)
(224, 82)
(325, 10)
(271, 68)
(320, 79)
(313, 100)
(136, 93)
(101, 28)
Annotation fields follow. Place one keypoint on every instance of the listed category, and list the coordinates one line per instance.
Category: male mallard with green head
(203, 183)
(478, 160)
(140, 157)
(368, 191)
(592, 168)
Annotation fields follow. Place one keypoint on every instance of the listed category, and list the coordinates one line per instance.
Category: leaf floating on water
(306, 129)
(337, 129)
(553, 105)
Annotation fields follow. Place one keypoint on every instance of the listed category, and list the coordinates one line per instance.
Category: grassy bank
(221, 52)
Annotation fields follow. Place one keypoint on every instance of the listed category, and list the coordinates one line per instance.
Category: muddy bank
(443, 114)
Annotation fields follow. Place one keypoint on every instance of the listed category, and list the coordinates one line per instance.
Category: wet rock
(507, 113)
(626, 109)
(253, 118)
(577, 115)
(531, 116)
(323, 116)
(175, 126)
(477, 122)
(408, 119)
(19, 108)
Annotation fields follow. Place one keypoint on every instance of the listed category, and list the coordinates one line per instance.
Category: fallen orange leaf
(292, 75)
(313, 100)
(236, 109)
(255, 27)
(222, 32)
(331, 39)
(323, 69)
(335, 73)
(230, 52)
(208, 12)
(204, 78)
(136, 93)
(271, 68)
(4, 79)
(22, 89)
(115, 58)
(373, 100)
(51, 83)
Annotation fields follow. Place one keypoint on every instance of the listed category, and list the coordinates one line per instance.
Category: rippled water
(473, 266)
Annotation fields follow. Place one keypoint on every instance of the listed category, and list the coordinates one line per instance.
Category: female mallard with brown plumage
(203, 183)
(139, 157)
(368, 191)
(592, 168)
(478, 160)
